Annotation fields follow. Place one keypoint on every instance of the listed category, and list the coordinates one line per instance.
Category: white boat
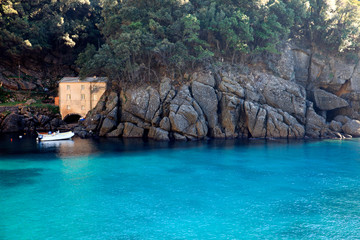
(55, 136)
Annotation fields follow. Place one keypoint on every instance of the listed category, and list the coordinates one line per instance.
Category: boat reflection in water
(56, 144)
(67, 148)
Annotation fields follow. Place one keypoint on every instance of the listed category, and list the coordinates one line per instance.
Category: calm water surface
(113, 189)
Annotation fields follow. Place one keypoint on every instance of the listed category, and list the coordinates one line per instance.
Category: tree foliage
(138, 39)
(143, 37)
(29, 27)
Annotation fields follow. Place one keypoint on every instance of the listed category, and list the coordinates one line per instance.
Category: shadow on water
(12, 178)
(12, 146)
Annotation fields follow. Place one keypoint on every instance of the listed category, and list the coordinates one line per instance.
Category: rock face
(186, 116)
(158, 134)
(107, 126)
(328, 101)
(28, 119)
(132, 131)
(13, 123)
(352, 128)
(296, 95)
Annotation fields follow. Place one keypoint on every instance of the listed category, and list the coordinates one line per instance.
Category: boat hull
(56, 136)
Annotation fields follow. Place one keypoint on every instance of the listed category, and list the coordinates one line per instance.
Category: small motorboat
(54, 136)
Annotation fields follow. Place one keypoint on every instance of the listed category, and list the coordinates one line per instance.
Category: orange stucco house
(80, 96)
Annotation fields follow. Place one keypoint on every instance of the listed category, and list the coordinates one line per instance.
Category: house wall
(79, 97)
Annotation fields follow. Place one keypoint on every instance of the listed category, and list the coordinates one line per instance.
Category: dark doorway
(72, 118)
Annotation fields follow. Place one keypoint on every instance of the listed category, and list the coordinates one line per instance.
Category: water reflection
(12, 145)
(56, 144)
(69, 148)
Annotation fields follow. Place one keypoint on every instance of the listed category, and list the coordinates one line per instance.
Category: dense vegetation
(35, 28)
(137, 39)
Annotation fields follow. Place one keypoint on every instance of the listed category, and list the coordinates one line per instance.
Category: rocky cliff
(298, 93)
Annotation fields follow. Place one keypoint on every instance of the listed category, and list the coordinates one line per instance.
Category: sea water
(115, 189)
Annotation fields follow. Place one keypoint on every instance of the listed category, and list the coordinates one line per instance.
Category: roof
(88, 79)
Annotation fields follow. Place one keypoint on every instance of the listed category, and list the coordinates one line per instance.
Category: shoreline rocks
(26, 119)
(234, 105)
(300, 93)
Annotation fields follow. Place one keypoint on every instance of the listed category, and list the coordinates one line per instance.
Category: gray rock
(256, 120)
(117, 132)
(296, 130)
(282, 94)
(92, 122)
(83, 134)
(229, 85)
(91, 128)
(154, 104)
(165, 87)
(158, 134)
(335, 126)
(217, 133)
(186, 116)
(342, 119)
(7, 83)
(12, 123)
(112, 101)
(107, 126)
(43, 119)
(165, 124)
(230, 106)
(132, 131)
(352, 128)
(141, 102)
(301, 65)
(180, 137)
(286, 64)
(113, 114)
(275, 128)
(205, 78)
(330, 71)
(314, 123)
(355, 79)
(328, 101)
(55, 122)
(206, 97)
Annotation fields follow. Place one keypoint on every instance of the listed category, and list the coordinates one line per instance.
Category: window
(82, 96)
(95, 97)
(82, 87)
(68, 107)
(67, 87)
(68, 96)
(82, 107)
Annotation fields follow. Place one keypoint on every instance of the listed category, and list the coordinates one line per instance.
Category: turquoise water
(102, 189)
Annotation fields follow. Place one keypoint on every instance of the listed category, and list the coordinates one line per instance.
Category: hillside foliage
(137, 39)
